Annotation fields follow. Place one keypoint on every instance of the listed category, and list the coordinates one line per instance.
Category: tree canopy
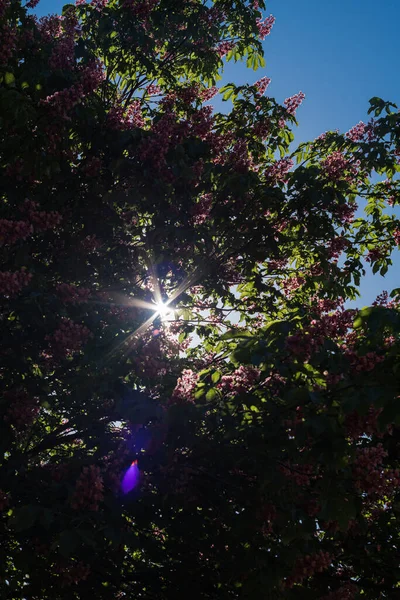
(187, 406)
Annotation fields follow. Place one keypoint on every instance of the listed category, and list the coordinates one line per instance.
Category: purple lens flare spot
(131, 478)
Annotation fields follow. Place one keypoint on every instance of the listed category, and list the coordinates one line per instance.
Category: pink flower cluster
(262, 129)
(12, 283)
(73, 573)
(345, 212)
(141, 8)
(63, 56)
(12, 231)
(264, 26)
(184, 389)
(369, 474)
(308, 565)
(224, 47)
(239, 157)
(63, 101)
(4, 5)
(279, 170)
(335, 165)
(208, 93)
(4, 501)
(291, 284)
(364, 363)
(41, 220)
(348, 591)
(301, 475)
(50, 27)
(267, 515)
(156, 147)
(336, 247)
(8, 36)
(68, 338)
(90, 243)
(188, 94)
(201, 210)
(201, 122)
(293, 102)
(153, 89)
(71, 293)
(241, 380)
(22, 410)
(262, 85)
(92, 167)
(89, 488)
(356, 133)
(357, 425)
(99, 4)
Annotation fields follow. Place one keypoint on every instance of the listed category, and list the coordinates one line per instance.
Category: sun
(163, 310)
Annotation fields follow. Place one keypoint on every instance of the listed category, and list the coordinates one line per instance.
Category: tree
(262, 461)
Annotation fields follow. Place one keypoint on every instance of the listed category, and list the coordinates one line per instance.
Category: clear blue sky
(340, 54)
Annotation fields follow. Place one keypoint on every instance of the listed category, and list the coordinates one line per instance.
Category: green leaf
(211, 395)
(9, 78)
(216, 376)
(25, 517)
(68, 542)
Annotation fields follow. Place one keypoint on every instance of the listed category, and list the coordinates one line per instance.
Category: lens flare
(163, 310)
(131, 478)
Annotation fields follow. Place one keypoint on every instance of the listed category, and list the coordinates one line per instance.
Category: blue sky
(340, 54)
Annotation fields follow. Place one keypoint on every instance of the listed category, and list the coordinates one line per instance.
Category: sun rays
(162, 307)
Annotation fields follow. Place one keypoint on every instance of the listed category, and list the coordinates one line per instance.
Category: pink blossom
(264, 27)
(99, 4)
(347, 591)
(279, 170)
(72, 573)
(369, 474)
(336, 247)
(345, 212)
(71, 293)
(153, 90)
(376, 254)
(184, 389)
(141, 8)
(22, 409)
(63, 55)
(262, 85)
(8, 37)
(208, 93)
(124, 119)
(90, 243)
(293, 103)
(63, 101)
(201, 209)
(224, 47)
(40, 219)
(68, 338)
(12, 283)
(241, 380)
(307, 565)
(12, 231)
(356, 133)
(50, 27)
(335, 166)
(88, 489)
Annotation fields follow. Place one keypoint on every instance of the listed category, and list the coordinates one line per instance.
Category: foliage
(268, 450)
